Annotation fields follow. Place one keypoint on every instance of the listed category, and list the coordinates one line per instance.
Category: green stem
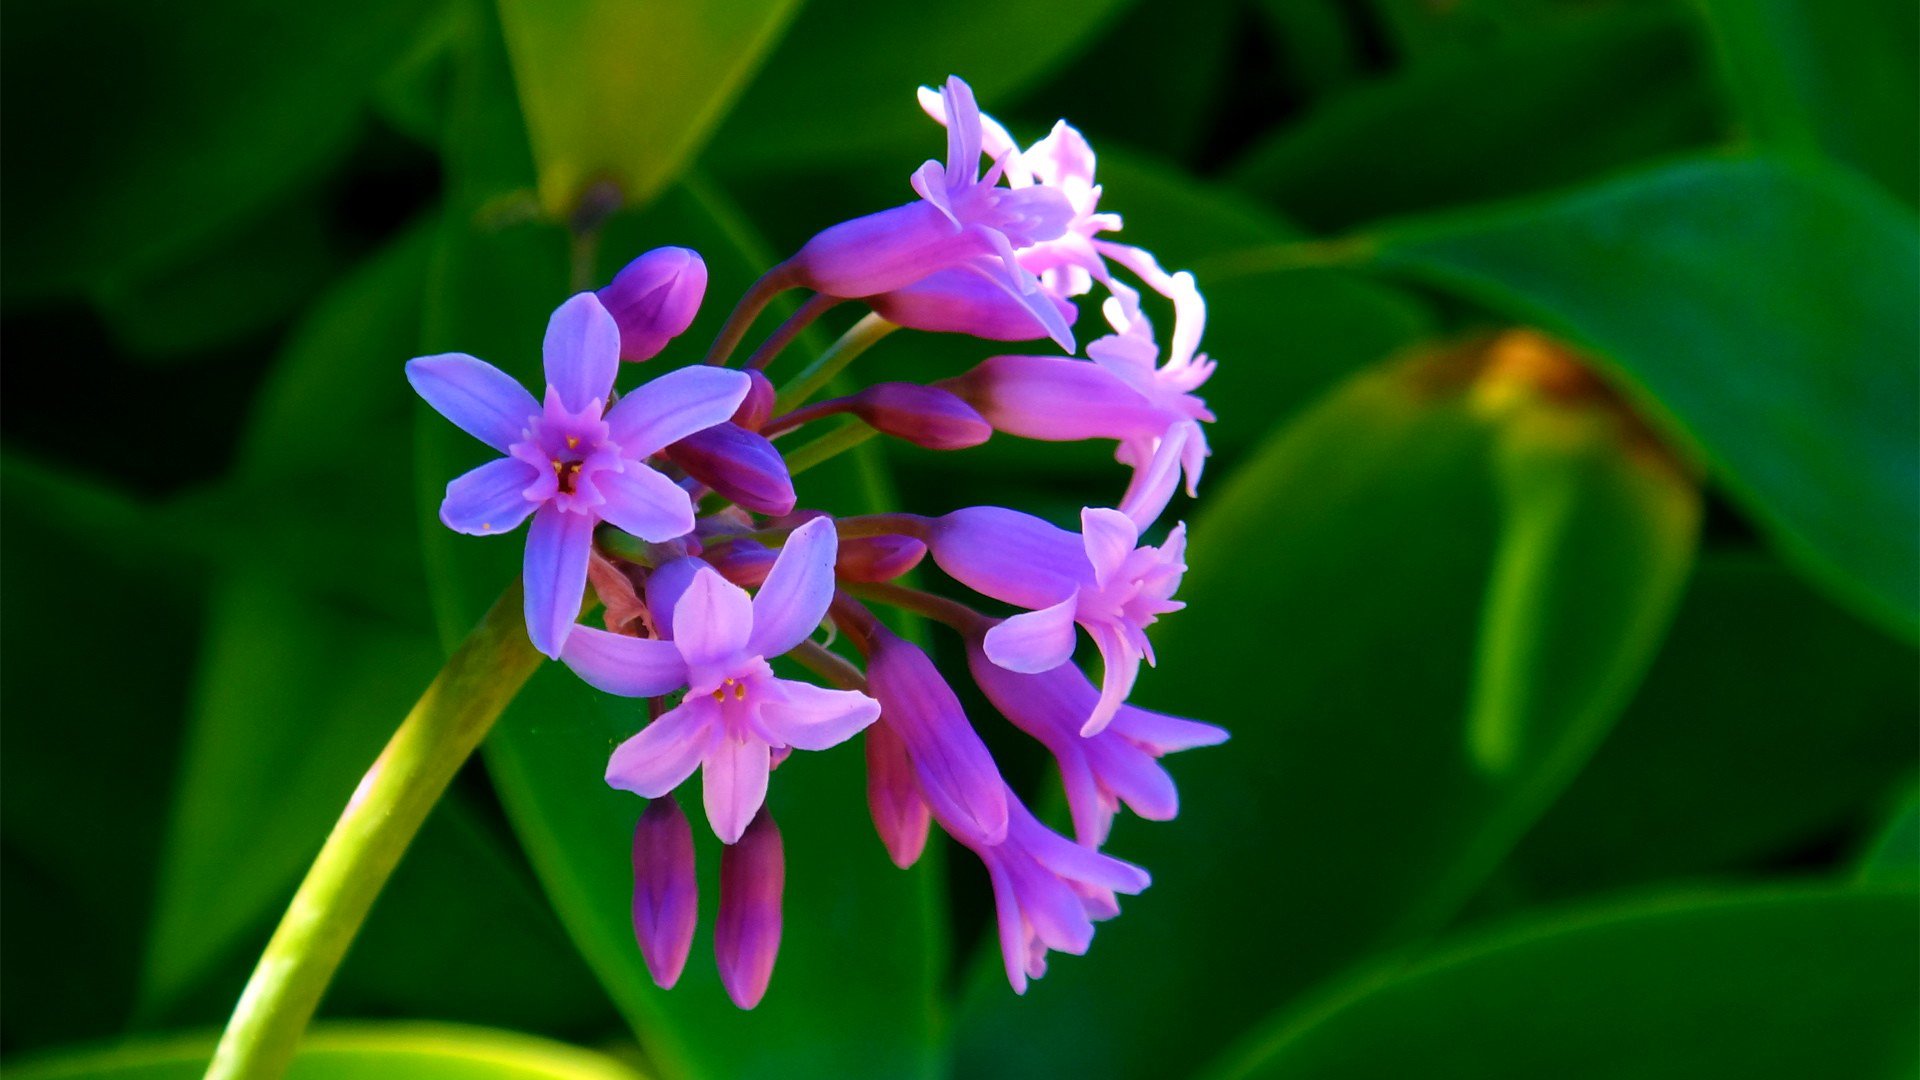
(828, 446)
(862, 336)
(393, 799)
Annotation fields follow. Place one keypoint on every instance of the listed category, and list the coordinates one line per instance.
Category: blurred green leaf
(626, 91)
(1789, 983)
(1763, 312)
(154, 128)
(1770, 719)
(1808, 75)
(348, 1052)
(844, 78)
(1493, 122)
(1349, 813)
(854, 989)
(1894, 854)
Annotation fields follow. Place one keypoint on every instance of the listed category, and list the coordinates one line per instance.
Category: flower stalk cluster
(674, 506)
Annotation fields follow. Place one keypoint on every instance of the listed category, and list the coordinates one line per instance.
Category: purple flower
(900, 812)
(962, 219)
(1133, 356)
(571, 462)
(1099, 771)
(736, 712)
(957, 775)
(1048, 891)
(1101, 579)
(666, 899)
(968, 300)
(654, 298)
(746, 933)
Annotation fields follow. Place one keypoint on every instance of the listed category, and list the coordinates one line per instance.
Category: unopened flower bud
(739, 464)
(900, 813)
(924, 415)
(878, 558)
(654, 299)
(666, 901)
(755, 410)
(961, 783)
(746, 934)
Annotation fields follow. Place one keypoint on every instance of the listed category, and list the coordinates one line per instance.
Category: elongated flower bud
(878, 558)
(1057, 399)
(964, 300)
(900, 813)
(757, 408)
(746, 934)
(961, 783)
(739, 464)
(666, 900)
(654, 299)
(923, 415)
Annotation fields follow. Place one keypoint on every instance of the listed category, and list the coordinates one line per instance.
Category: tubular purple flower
(962, 219)
(746, 933)
(666, 898)
(1101, 579)
(654, 299)
(900, 813)
(1102, 770)
(923, 415)
(736, 712)
(957, 775)
(968, 300)
(1048, 891)
(572, 462)
(739, 464)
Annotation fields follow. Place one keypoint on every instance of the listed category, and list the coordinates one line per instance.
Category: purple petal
(555, 575)
(641, 501)
(1163, 734)
(480, 399)
(1110, 537)
(746, 932)
(1057, 399)
(961, 783)
(1009, 555)
(733, 781)
(489, 499)
(582, 352)
(797, 591)
(1154, 483)
(807, 717)
(967, 299)
(666, 751)
(664, 588)
(963, 129)
(1013, 925)
(674, 406)
(666, 898)
(1034, 641)
(899, 811)
(711, 621)
(627, 666)
(1121, 663)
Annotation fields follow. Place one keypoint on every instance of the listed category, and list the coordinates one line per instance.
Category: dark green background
(1574, 732)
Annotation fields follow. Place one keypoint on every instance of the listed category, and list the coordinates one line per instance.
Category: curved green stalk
(858, 339)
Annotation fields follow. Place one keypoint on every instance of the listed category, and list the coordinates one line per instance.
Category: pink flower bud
(878, 558)
(924, 415)
(961, 783)
(654, 299)
(757, 407)
(963, 300)
(739, 464)
(746, 934)
(666, 900)
(900, 814)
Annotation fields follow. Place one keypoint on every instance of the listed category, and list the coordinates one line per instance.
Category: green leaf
(1337, 583)
(1894, 854)
(1818, 77)
(1493, 122)
(156, 128)
(844, 78)
(348, 1052)
(628, 92)
(854, 989)
(1766, 983)
(1770, 720)
(1763, 313)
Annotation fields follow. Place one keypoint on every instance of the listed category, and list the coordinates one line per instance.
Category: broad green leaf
(854, 989)
(626, 91)
(1808, 76)
(154, 128)
(101, 610)
(1493, 122)
(1789, 983)
(1894, 854)
(1762, 312)
(1336, 586)
(348, 1052)
(844, 77)
(1770, 720)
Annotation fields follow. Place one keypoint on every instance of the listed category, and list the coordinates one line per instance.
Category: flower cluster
(673, 506)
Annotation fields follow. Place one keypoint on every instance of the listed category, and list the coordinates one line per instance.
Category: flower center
(736, 687)
(566, 473)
